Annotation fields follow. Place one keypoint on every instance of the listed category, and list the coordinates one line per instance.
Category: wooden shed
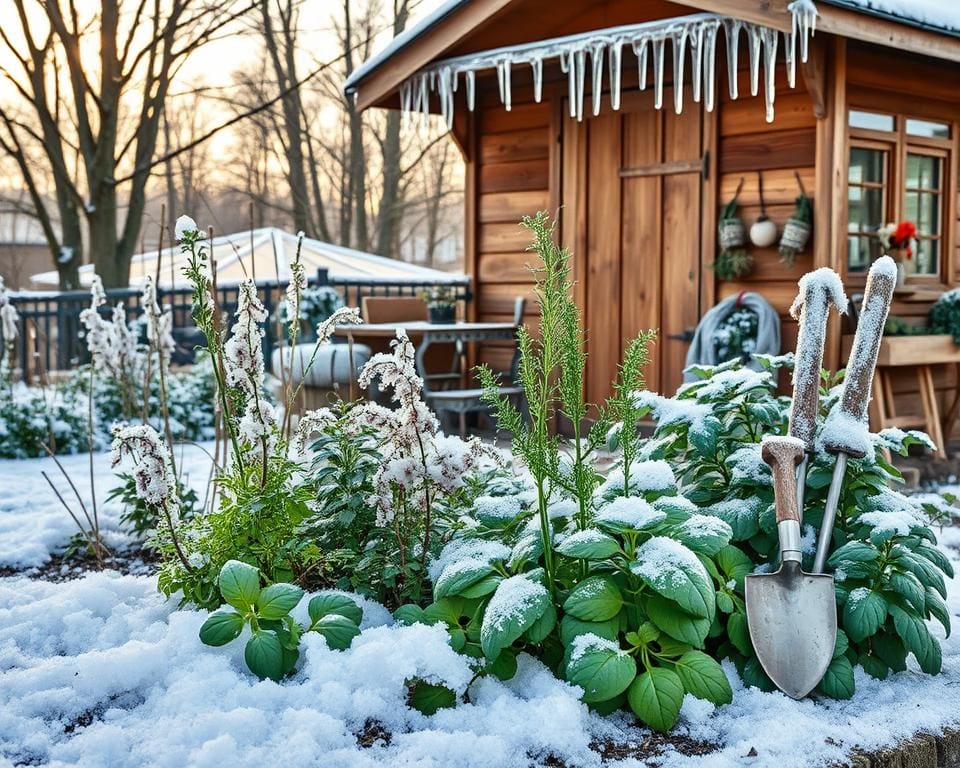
(544, 99)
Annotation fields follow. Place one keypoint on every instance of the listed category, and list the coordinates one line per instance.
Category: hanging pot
(796, 233)
(763, 232)
(732, 233)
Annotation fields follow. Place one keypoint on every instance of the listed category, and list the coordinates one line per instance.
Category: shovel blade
(792, 618)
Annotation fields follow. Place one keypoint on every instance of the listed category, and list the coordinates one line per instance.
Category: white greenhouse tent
(266, 254)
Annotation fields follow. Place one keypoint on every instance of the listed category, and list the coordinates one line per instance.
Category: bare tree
(141, 47)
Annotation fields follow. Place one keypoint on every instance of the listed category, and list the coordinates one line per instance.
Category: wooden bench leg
(931, 411)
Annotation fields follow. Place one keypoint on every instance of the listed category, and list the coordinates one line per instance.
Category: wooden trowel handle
(783, 454)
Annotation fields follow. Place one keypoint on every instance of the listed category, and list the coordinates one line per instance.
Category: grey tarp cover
(702, 350)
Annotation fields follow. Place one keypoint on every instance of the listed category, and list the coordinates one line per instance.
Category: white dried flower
(311, 423)
(184, 226)
(151, 464)
(259, 421)
(342, 316)
(243, 355)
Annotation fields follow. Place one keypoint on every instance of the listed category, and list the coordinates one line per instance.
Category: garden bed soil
(131, 561)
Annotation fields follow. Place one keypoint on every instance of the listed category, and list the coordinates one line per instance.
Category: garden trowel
(791, 615)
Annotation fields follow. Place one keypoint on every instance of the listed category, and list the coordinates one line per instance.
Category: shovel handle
(858, 382)
(783, 454)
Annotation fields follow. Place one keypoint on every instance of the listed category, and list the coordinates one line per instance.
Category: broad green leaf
(656, 697)
(338, 630)
(936, 556)
(483, 587)
(595, 598)
(705, 534)
(647, 633)
(909, 586)
(341, 605)
(742, 515)
(406, 614)
(725, 602)
(542, 627)
(602, 673)
(704, 677)
(221, 627)
(890, 649)
(935, 606)
(429, 698)
(841, 644)
(739, 634)
(673, 571)
(924, 570)
(458, 576)
(754, 675)
(874, 666)
(504, 667)
(277, 600)
(589, 544)
(239, 584)
(854, 552)
(518, 602)
(918, 640)
(264, 655)
(837, 682)
(676, 623)
(863, 613)
(570, 627)
(733, 563)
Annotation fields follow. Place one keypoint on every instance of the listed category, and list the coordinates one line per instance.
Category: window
(898, 169)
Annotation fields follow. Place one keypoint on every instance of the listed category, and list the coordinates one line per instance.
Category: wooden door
(642, 213)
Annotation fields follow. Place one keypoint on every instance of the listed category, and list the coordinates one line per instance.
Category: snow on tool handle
(819, 290)
(845, 429)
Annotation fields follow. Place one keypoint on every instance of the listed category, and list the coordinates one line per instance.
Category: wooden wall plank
(511, 206)
(502, 238)
(792, 112)
(513, 177)
(750, 152)
(528, 144)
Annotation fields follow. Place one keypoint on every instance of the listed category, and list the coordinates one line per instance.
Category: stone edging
(921, 751)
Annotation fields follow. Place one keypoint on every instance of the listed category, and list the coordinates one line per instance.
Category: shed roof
(940, 17)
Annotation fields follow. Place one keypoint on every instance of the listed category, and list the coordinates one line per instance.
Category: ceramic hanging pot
(763, 232)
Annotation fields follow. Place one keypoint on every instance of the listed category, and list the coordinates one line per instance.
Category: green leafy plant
(884, 554)
(273, 647)
(605, 581)
(733, 264)
(945, 315)
(141, 518)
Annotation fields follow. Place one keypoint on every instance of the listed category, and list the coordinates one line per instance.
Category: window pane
(923, 172)
(865, 210)
(927, 253)
(861, 251)
(927, 128)
(866, 165)
(870, 120)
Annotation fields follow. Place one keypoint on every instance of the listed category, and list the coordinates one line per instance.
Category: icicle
(696, 61)
(731, 28)
(406, 93)
(566, 66)
(710, 66)
(596, 81)
(537, 65)
(753, 45)
(445, 94)
(614, 62)
(580, 59)
(425, 102)
(804, 24)
(503, 82)
(471, 78)
(641, 53)
(679, 49)
(658, 45)
(790, 55)
(770, 40)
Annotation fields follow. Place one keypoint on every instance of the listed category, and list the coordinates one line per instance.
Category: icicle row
(690, 36)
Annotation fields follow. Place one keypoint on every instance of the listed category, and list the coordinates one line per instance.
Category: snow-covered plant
(315, 304)
(35, 420)
(889, 572)
(154, 481)
(736, 335)
(273, 648)
(945, 315)
(613, 585)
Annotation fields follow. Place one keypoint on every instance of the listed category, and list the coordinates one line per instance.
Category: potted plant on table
(897, 242)
(441, 303)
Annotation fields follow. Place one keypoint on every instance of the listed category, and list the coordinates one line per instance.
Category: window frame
(899, 144)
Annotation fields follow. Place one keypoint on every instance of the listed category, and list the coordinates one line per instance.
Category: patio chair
(460, 402)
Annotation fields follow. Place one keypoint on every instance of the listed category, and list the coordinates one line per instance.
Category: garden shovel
(845, 432)
(791, 615)
(819, 290)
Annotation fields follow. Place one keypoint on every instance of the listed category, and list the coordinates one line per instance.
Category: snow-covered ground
(102, 671)
(33, 523)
